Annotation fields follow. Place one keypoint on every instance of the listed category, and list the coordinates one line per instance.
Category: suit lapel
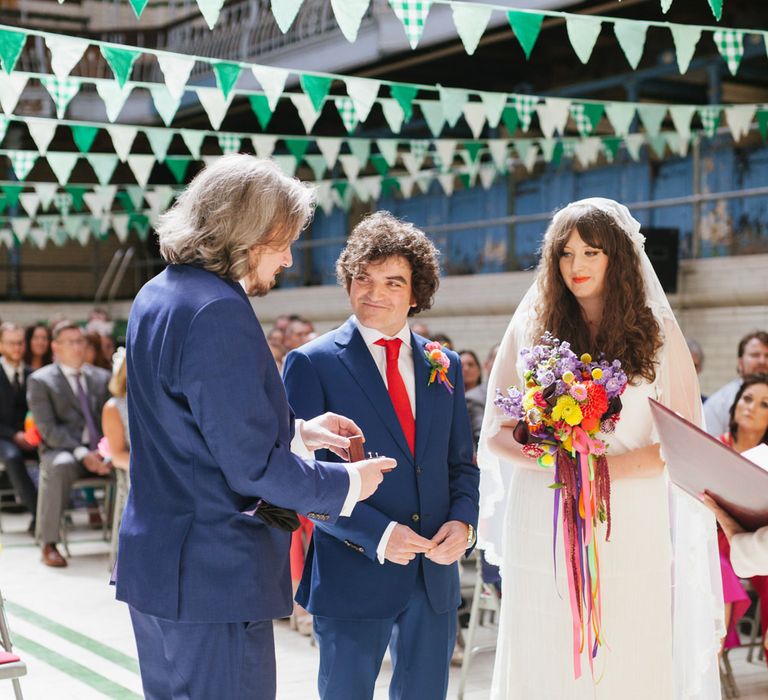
(67, 390)
(90, 391)
(425, 396)
(355, 356)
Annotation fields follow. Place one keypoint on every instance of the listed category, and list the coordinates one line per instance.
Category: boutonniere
(439, 364)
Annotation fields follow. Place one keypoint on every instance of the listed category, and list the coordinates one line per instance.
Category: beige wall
(719, 300)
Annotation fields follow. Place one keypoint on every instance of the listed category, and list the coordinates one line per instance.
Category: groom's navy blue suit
(355, 599)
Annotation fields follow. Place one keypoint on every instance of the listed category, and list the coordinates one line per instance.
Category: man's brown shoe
(51, 556)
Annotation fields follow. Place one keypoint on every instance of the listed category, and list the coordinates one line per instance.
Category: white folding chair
(13, 670)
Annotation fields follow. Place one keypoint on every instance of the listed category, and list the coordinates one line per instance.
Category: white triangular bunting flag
(393, 113)
(470, 22)
(6, 238)
(530, 158)
(350, 165)
(65, 53)
(499, 149)
(474, 114)
(176, 70)
(553, 115)
(158, 199)
(120, 226)
(84, 235)
(739, 119)
(29, 201)
(272, 81)
(193, 140)
(39, 236)
(46, 191)
(62, 165)
(330, 148)
(306, 110)
(210, 10)
(349, 14)
(122, 139)
(165, 103)
(11, 87)
(286, 163)
(264, 145)
(214, 103)
(388, 149)
(652, 115)
(406, 185)
(103, 165)
(361, 149)
(587, 150)
(411, 163)
(433, 115)
(445, 149)
(452, 100)
(284, 12)
(677, 144)
(363, 92)
(42, 132)
(631, 38)
(21, 226)
(141, 167)
(447, 182)
(681, 118)
(582, 33)
(487, 176)
(113, 96)
(685, 37)
(620, 114)
(494, 106)
(633, 142)
(159, 142)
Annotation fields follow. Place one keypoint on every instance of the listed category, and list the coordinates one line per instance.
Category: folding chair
(485, 599)
(11, 667)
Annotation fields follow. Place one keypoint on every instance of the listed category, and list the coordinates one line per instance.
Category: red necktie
(397, 391)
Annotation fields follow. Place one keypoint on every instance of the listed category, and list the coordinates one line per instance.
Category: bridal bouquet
(567, 401)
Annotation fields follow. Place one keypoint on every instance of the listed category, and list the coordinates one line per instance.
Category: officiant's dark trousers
(420, 642)
(202, 661)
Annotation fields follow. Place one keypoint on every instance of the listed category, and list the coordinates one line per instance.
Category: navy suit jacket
(210, 433)
(342, 576)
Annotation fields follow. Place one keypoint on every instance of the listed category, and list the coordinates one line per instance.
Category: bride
(595, 288)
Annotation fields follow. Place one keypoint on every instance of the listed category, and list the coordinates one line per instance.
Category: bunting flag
(284, 12)
(347, 112)
(62, 90)
(120, 60)
(11, 44)
(730, 44)
(470, 22)
(526, 27)
(413, 15)
(587, 117)
(349, 14)
(582, 33)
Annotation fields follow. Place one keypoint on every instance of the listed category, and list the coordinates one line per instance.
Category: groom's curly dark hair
(381, 236)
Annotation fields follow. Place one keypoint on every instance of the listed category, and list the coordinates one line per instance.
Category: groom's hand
(329, 432)
(404, 544)
(449, 543)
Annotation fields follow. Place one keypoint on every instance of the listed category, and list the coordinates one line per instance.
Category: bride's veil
(698, 620)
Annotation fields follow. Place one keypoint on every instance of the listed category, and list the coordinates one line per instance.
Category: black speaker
(661, 245)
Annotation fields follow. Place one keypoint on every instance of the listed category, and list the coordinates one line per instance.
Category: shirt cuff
(384, 541)
(353, 495)
(80, 452)
(297, 444)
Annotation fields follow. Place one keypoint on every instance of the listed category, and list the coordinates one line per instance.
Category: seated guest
(114, 416)
(295, 335)
(475, 397)
(94, 354)
(14, 447)
(66, 400)
(37, 352)
(748, 428)
(470, 369)
(753, 359)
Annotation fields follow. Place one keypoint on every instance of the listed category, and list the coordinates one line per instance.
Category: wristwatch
(471, 536)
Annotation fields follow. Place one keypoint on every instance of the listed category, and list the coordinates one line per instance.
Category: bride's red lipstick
(580, 280)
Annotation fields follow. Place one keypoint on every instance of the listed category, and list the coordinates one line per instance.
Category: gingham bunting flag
(710, 119)
(730, 44)
(62, 90)
(22, 162)
(229, 143)
(524, 106)
(419, 148)
(347, 112)
(413, 15)
(587, 117)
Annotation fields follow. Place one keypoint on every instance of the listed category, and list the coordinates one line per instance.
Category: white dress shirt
(405, 366)
(71, 375)
(10, 371)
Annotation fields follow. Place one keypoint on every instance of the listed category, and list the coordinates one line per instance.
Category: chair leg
(17, 689)
(474, 615)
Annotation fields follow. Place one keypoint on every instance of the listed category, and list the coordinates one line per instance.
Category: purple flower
(546, 377)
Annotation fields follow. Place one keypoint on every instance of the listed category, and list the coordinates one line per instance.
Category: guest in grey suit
(66, 400)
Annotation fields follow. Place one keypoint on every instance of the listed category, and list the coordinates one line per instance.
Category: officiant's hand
(404, 544)
(329, 432)
(729, 525)
(449, 543)
(371, 473)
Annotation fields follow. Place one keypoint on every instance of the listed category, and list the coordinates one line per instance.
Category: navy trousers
(420, 643)
(203, 661)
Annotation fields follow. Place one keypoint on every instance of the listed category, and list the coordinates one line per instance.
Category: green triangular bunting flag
(762, 123)
(717, 8)
(404, 95)
(261, 108)
(510, 119)
(120, 61)
(226, 76)
(526, 26)
(84, 137)
(138, 6)
(316, 87)
(297, 147)
(178, 167)
(11, 44)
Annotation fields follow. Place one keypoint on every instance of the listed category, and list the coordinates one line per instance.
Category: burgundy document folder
(697, 462)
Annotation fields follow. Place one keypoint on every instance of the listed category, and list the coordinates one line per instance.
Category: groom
(387, 575)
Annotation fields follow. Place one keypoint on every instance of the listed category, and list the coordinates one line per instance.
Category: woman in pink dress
(748, 428)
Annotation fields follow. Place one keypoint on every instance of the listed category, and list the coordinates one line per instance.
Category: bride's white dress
(535, 652)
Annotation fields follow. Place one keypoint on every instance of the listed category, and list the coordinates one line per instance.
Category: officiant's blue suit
(210, 430)
(343, 583)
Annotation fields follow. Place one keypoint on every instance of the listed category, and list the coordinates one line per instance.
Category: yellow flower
(597, 373)
(586, 358)
(572, 414)
(528, 402)
(568, 377)
(563, 402)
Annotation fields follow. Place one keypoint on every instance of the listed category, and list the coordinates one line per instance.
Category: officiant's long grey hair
(231, 206)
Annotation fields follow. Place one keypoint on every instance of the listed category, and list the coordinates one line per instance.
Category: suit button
(419, 470)
(415, 517)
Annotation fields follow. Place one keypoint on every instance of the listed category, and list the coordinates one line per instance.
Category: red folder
(697, 462)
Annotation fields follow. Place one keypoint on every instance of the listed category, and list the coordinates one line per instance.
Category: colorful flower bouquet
(31, 432)
(566, 402)
(438, 365)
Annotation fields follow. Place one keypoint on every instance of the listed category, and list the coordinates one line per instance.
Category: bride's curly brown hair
(628, 330)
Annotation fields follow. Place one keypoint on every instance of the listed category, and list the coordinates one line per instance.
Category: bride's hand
(642, 463)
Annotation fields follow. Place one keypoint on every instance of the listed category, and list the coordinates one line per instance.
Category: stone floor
(78, 645)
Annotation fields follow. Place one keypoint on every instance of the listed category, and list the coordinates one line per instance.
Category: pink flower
(433, 345)
(578, 392)
(444, 361)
